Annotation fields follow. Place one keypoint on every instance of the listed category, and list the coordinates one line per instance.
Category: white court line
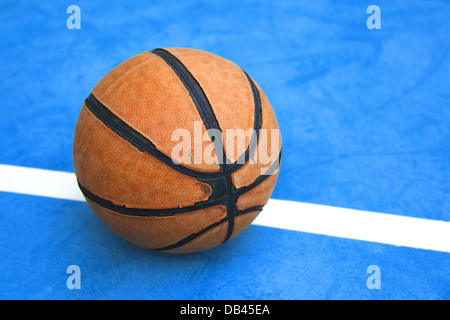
(289, 215)
(356, 224)
(39, 182)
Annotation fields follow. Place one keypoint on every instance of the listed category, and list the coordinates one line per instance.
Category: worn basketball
(177, 150)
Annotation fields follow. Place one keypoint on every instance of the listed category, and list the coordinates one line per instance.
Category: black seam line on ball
(206, 229)
(207, 114)
(232, 209)
(136, 139)
(196, 92)
(231, 203)
(122, 129)
(269, 172)
(209, 119)
(257, 122)
(144, 212)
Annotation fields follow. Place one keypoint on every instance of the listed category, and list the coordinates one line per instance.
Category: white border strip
(39, 182)
(289, 215)
(358, 225)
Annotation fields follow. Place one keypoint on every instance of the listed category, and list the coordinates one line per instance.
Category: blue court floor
(365, 120)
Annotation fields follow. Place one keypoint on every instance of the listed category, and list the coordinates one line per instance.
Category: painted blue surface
(364, 116)
(45, 236)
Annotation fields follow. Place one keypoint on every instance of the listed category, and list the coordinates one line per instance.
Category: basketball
(177, 150)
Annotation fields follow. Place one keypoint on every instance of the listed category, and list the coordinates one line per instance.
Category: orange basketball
(159, 153)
